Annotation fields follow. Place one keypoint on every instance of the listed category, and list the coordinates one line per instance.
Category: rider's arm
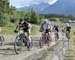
(30, 26)
(41, 28)
(17, 27)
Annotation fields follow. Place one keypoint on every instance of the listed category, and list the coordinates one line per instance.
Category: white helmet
(67, 24)
(46, 20)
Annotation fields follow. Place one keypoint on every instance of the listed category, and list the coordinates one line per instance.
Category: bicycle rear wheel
(56, 36)
(68, 35)
(41, 42)
(2, 40)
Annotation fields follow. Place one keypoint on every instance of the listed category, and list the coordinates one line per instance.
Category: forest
(9, 15)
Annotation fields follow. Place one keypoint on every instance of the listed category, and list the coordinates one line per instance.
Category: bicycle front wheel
(68, 35)
(18, 45)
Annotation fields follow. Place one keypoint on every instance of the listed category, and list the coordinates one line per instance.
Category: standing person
(45, 29)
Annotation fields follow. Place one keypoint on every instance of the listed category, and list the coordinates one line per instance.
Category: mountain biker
(25, 26)
(45, 29)
(56, 29)
(22, 25)
(68, 28)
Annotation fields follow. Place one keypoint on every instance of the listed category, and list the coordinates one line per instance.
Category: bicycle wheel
(56, 36)
(18, 45)
(31, 44)
(28, 45)
(41, 43)
(68, 38)
(68, 35)
(2, 40)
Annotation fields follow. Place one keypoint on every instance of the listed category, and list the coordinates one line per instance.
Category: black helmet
(21, 19)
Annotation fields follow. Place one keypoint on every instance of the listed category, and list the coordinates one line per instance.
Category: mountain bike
(68, 37)
(56, 36)
(2, 40)
(22, 41)
(44, 40)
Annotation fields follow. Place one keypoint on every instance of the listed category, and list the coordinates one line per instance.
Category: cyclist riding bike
(56, 30)
(45, 29)
(68, 28)
(25, 26)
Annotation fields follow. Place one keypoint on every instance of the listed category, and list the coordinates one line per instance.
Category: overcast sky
(21, 3)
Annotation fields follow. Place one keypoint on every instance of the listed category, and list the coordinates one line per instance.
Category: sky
(21, 3)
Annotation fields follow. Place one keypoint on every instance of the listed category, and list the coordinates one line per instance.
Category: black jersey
(68, 28)
(24, 25)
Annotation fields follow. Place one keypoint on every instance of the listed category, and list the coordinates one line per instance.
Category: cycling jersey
(46, 27)
(56, 28)
(24, 25)
(68, 28)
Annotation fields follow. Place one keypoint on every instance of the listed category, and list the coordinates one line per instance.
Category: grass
(9, 29)
(35, 29)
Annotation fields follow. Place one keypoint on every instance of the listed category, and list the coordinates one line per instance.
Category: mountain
(36, 7)
(60, 7)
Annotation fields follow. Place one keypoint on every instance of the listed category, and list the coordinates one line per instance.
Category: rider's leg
(28, 35)
(47, 37)
(57, 34)
(43, 36)
(25, 39)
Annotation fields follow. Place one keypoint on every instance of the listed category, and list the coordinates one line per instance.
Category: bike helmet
(46, 21)
(21, 19)
(67, 24)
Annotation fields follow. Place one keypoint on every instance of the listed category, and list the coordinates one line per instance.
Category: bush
(2, 21)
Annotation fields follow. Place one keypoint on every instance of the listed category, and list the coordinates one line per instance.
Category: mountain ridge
(60, 7)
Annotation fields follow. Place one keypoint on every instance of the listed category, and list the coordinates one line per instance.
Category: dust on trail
(71, 52)
(7, 50)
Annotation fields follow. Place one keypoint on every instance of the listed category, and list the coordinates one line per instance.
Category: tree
(4, 8)
(35, 17)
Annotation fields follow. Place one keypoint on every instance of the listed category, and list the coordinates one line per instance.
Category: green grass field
(9, 29)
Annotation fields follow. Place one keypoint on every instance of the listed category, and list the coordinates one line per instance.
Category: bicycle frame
(46, 38)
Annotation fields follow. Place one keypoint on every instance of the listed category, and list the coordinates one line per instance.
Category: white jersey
(46, 26)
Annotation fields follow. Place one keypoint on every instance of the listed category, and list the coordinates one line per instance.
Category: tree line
(9, 14)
